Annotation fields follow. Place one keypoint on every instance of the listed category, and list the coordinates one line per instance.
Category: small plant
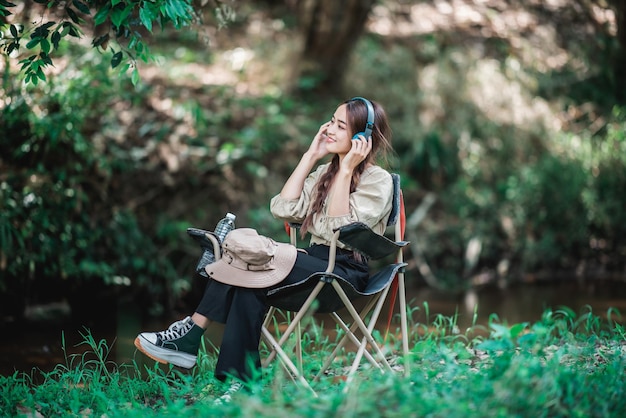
(562, 365)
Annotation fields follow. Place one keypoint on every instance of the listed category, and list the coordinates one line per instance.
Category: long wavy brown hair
(356, 112)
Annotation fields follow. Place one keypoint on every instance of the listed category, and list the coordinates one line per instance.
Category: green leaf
(118, 16)
(72, 14)
(42, 31)
(146, 15)
(72, 30)
(13, 46)
(500, 331)
(102, 15)
(14, 31)
(45, 59)
(27, 61)
(517, 329)
(56, 38)
(82, 7)
(493, 345)
(40, 74)
(135, 77)
(45, 45)
(32, 43)
(176, 10)
(117, 58)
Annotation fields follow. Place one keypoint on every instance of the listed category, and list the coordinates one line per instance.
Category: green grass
(564, 365)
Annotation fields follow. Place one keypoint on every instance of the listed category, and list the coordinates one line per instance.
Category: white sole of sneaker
(165, 356)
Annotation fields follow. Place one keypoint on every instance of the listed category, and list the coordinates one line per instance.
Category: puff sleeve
(295, 210)
(370, 203)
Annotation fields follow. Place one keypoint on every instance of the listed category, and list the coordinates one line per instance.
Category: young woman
(348, 189)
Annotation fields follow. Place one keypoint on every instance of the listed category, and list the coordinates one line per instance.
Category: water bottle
(207, 258)
(224, 226)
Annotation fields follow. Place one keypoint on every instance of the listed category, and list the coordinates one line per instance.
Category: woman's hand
(317, 149)
(295, 183)
(360, 149)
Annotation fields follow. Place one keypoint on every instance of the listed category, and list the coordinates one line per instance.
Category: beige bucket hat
(252, 260)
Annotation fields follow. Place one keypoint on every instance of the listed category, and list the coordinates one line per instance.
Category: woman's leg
(239, 352)
(242, 311)
(201, 320)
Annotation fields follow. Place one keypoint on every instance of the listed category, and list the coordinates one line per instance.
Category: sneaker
(177, 345)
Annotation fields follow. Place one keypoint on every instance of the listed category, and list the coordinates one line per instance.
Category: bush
(60, 228)
(546, 206)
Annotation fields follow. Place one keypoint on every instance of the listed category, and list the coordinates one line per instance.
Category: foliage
(563, 365)
(102, 176)
(527, 197)
(118, 26)
(59, 228)
(80, 191)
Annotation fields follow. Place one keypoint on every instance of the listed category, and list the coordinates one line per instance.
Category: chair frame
(373, 305)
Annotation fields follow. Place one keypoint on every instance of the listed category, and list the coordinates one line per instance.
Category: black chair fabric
(292, 298)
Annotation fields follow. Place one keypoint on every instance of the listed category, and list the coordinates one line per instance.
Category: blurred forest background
(509, 122)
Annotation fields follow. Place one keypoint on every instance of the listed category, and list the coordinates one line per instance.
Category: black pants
(242, 310)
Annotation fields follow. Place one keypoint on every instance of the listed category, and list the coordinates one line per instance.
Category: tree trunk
(620, 64)
(330, 31)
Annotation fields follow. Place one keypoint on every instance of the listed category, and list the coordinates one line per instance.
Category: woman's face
(338, 135)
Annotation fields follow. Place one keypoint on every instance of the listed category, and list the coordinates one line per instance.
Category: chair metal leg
(348, 336)
(299, 347)
(379, 301)
(362, 347)
(376, 303)
(286, 361)
(350, 332)
(363, 328)
(296, 320)
(269, 316)
(403, 324)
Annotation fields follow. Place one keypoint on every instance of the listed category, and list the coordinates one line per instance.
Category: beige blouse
(370, 203)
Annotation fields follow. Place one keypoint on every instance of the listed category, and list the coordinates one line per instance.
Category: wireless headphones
(369, 126)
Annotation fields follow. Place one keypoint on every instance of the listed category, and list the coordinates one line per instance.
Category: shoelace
(175, 330)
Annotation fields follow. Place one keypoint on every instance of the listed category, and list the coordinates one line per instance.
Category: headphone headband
(369, 126)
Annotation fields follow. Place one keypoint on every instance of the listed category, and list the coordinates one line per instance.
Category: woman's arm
(317, 150)
(370, 204)
(339, 194)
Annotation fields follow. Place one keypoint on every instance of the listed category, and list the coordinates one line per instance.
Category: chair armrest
(362, 239)
(206, 240)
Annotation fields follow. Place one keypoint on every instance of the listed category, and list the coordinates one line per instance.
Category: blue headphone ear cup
(369, 126)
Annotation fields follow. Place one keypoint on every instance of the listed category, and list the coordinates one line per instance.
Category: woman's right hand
(295, 183)
(317, 149)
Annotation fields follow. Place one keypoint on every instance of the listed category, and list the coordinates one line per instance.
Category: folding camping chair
(329, 293)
